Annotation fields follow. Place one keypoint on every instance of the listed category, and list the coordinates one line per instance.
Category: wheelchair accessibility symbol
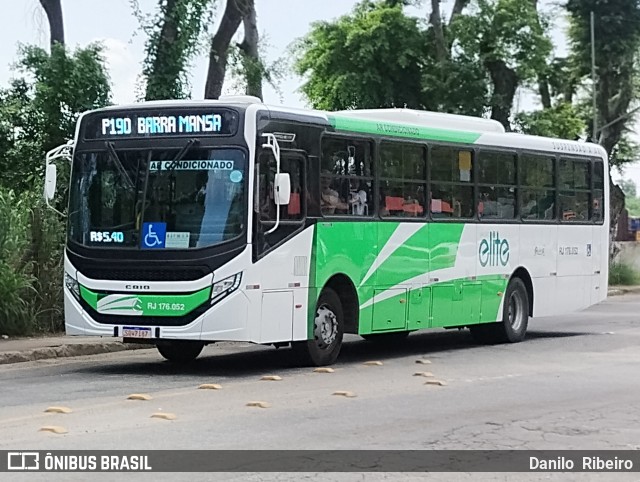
(154, 235)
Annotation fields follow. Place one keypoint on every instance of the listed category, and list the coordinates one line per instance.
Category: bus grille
(143, 274)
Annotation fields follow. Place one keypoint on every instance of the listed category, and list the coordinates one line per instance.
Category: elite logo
(493, 251)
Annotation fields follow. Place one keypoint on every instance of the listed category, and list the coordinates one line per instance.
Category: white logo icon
(23, 461)
(151, 236)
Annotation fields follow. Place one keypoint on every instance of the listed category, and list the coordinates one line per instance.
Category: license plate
(135, 332)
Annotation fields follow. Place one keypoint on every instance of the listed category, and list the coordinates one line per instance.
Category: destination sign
(138, 124)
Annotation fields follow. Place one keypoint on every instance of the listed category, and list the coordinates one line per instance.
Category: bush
(31, 243)
(622, 274)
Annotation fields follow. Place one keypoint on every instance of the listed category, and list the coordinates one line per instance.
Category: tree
(508, 38)
(628, 187)
(359, 61)
(53, 9)
(252, 64)
(234, 12)
(617, 33)
(562, 120)
(173, 39)
(39, 111)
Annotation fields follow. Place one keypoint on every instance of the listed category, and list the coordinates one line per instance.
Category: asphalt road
(573, 384)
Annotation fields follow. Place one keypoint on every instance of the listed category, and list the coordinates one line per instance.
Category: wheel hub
(516, 311)
(326, 325)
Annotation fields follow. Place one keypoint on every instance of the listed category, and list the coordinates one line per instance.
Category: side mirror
(282, 189)
(50, 182)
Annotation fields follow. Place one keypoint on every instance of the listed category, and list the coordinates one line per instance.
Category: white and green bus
(191, 222)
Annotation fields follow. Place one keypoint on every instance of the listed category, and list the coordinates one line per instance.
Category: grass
(621, 274)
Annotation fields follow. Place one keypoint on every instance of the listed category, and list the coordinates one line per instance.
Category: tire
(180, 351)
(387, 338)
(515, 318)
(328, 330)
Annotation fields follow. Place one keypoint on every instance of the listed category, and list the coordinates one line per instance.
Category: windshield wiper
(116, 160)
(183, 152)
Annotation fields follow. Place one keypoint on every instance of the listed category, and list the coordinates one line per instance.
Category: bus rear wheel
(515, 317)
(180, 351)
(328, 330)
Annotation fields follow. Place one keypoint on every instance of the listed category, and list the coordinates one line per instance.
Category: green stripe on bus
(145, 304)
(402, 130)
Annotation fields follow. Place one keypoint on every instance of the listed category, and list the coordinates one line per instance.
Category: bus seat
(394, 203)
(293, 208)
(413, 209)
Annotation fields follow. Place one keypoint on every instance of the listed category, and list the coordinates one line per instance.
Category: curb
(68, 350)
(620, 290)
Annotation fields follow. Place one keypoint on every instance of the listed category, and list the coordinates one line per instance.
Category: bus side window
(267, 170)
(597, 210)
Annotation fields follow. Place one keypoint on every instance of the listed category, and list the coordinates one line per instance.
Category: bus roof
(426, 119)
(426, 125)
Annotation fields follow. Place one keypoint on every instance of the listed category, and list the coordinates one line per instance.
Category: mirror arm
(272, 144)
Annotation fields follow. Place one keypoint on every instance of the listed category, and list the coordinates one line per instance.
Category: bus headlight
(225, 287)
(72, 285)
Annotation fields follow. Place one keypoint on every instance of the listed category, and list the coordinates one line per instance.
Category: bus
(194, 222)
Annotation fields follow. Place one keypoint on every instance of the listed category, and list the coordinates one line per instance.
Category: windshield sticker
(191, 165)
(235, 176)
(106, 237)
(177, 239)
(154, 235)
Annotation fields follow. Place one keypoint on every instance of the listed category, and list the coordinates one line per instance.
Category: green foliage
(617, 33)
(174, 35)
(38, 112)
(373, 57)
(621, 274)
(245, 70)
(379, 56)
(631, 201)
(505, 30)
(628, 187)
(561, 121)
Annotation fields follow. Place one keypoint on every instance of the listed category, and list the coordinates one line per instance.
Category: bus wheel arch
(525, 277)
(346, 291)
(335, 314)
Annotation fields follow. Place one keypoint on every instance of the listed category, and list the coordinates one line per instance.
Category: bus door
(284, 270)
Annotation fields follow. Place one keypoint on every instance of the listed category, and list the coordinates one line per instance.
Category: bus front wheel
(515, 317)
(180, 351)
(328, 330)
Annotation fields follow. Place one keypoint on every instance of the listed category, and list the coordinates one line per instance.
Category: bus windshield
(146, 199)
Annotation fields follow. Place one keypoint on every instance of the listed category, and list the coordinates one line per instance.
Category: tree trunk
(458, 7)
(545, 96)
(442, 52)
(505, 84)
(250, 47)
(162, 76)
(53, 9)
(232, 16)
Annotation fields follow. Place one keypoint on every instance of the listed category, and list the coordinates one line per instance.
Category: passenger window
(403, 184)
(538, 197)
(575, 189)
(451, 183)
(346, 177)
(496, 185)
(598, 205)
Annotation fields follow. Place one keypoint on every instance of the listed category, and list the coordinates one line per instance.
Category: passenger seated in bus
(358, 199)
(329, 198)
